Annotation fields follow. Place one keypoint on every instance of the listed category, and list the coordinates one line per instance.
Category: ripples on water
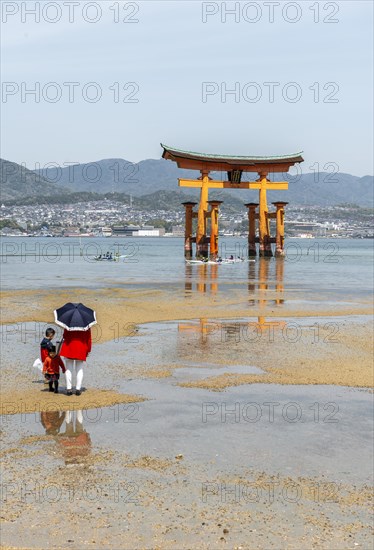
(319, 265)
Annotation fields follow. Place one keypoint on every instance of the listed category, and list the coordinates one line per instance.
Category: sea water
(334, 267)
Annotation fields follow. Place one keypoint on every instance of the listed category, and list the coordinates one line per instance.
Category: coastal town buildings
(109, 218)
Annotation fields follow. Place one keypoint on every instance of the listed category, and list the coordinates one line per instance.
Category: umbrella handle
(59, 346)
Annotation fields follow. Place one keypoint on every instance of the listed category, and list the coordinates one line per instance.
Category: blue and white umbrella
(74, 316)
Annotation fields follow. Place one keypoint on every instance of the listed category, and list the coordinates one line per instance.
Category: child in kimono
(51, 369)
(46, 343)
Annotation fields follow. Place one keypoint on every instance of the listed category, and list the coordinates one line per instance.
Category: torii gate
(234, 166)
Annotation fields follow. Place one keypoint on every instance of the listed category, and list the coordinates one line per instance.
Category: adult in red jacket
(75, 348)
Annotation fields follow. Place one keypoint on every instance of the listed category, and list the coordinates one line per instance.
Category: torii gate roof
(204, 161)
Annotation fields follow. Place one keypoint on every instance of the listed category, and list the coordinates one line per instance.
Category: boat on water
(218, 262)
(103, 259)
(109, 257)
(209, 262)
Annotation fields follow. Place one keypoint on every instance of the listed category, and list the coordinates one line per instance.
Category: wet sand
(134, 455)
(199, 484)
(331, 354)
(132, 307)
(21, 402)
(345, 359)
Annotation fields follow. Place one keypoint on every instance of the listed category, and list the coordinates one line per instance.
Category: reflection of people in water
(52, 421)
(75, 442)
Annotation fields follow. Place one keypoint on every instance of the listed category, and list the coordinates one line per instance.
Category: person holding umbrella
(77, 321)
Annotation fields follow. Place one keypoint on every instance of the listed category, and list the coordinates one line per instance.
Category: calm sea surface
(329, 267)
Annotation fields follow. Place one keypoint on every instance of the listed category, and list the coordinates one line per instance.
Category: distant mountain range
(18, 182)
(145, 179)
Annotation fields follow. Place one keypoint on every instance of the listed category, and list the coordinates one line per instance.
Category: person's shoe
(69, 392)
(50, 389)
(56, 391)
(78, 392)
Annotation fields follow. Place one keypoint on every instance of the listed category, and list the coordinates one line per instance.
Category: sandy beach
(133, 451)
(293, 345)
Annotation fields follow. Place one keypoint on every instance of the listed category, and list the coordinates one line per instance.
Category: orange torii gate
(234, 166)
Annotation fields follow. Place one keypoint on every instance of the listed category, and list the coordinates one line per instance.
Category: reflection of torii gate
(204, 327)
(206, 277)
(263, 281)
(232, 329)
(234, 166)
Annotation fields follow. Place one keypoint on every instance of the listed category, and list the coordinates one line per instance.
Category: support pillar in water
(188, 229)
(263, 219)
(202, 245)
(214, 208)
(279, 238)
(251, 227)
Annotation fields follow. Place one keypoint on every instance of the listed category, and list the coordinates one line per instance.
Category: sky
(85, 81)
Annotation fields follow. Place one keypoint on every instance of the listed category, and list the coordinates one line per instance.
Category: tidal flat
(220, 411)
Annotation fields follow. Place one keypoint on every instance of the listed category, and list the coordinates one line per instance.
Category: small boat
(105, 258)
(201, 262)
(232, 261)
(218, 262)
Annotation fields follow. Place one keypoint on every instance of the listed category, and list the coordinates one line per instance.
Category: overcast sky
(116, 78)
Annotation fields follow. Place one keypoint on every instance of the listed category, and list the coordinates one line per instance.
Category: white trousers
(70, 364)
(69, 417)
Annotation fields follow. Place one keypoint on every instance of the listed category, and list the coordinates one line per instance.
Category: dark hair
(52, 348)
(50, 331)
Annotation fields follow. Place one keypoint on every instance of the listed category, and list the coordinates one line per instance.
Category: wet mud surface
(252, 465)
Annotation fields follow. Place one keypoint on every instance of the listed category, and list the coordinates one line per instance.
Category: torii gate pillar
(251, 227)
(214, 205)
(188, 229)
(202, 246)
(279, 238)
(263, 220)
